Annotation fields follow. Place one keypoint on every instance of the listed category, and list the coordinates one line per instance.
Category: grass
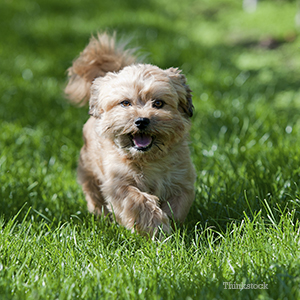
(243, 227)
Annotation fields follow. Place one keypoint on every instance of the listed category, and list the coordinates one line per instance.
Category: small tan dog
(135, 162)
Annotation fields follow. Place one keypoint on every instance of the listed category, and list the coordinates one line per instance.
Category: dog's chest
(157, 181)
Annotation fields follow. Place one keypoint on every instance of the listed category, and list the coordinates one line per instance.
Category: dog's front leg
(137, 210)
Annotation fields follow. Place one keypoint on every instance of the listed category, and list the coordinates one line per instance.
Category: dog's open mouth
(142, 141)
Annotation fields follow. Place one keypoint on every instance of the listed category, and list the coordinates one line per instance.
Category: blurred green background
(241, 59)
(241, 63)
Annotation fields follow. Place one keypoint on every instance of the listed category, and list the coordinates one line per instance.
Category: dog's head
(143, 109)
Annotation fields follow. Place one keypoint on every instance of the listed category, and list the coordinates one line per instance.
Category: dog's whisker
(156, 144)
(126, 146)
(159, 143)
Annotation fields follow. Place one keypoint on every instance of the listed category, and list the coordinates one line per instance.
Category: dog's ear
(94, 104)
(183, 90)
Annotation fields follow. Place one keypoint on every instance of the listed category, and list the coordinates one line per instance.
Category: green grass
(243, 227)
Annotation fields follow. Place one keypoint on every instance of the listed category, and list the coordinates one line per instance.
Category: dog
(135, 164)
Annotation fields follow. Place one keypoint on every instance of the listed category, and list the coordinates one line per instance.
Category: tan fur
(142, 188)
(102, 55)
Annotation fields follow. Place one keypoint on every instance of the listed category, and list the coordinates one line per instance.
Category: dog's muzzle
(142, 141)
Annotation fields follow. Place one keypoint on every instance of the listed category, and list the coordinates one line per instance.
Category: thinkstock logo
(244, 286)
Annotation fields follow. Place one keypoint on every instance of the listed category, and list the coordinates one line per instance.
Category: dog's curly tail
(100, 56)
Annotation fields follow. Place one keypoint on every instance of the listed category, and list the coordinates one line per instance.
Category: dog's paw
(141, 213)
(151, 219)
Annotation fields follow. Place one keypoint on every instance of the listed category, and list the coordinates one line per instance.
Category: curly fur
(144, 176)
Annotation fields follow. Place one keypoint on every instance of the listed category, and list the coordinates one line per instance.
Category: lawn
(241, 239)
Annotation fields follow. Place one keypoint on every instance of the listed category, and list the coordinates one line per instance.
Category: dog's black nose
(142, 123)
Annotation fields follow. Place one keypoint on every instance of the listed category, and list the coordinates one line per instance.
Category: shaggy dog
(135, 162)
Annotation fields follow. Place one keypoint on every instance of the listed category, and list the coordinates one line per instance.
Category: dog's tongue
(142, 140)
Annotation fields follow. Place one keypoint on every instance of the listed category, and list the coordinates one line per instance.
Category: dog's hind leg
(91, 190)
(94, 199)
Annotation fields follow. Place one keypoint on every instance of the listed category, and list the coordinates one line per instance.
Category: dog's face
(143, 109)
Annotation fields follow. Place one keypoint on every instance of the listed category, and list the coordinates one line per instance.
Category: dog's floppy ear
(94, 104)
(183, 90)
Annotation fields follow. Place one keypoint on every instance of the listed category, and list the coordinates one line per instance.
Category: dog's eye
(158, 103)
(125, 103)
